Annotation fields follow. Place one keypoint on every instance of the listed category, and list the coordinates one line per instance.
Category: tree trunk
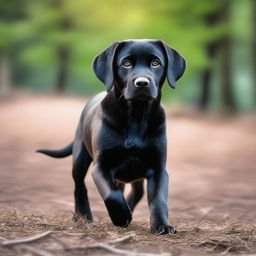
(205, 89)
(227, 97)
(254, 49)
(5, 76)
(211, 20)
(63, 52)
(207, 73)
(62, 73)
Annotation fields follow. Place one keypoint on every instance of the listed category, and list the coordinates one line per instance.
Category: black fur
(67, 151)
(123, 132)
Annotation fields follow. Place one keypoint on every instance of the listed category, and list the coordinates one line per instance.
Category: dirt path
(212, 163)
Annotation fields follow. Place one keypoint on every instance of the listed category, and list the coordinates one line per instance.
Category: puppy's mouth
(140, 94)
(140, 97)
(143, 97)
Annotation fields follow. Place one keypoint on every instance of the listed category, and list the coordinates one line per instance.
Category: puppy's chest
(134, 140)
(127, 164)
(129, 158)
(131, 150)
(129, 154)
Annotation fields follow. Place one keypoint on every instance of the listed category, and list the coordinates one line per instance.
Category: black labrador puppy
(122, 132)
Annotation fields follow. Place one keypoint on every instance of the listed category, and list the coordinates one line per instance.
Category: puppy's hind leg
(81, 162)
(136, 194)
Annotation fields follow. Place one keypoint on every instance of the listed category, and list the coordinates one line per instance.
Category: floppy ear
(176, 64)
(103, 65)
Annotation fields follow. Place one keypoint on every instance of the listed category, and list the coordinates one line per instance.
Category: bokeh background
(46, 77)
(49, 45)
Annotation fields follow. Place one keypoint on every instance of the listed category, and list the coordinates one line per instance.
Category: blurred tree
(51, 27)
(11, 13)
(227, 90)
(254, 47)
(211, 19)
(64, 24)
(217, 15)
(5, 76)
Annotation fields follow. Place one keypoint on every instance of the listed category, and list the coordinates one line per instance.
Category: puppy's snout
(141, 82)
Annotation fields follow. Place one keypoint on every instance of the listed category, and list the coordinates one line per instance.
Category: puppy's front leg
(158, 202)
(113, 197)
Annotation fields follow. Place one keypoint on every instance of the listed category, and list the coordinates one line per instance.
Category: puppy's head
(138, 68)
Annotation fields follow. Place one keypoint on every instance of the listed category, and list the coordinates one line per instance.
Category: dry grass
(79, 238)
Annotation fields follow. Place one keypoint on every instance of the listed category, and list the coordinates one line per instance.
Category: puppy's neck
(139, 111)
(123, 112)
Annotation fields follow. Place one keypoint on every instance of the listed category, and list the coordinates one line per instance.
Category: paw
(77, 216)
(82, 212)
(118, 210)
(164, 230)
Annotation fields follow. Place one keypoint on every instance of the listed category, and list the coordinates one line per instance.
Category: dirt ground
(211, 161)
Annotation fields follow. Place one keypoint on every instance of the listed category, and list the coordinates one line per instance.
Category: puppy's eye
(155, 63)
(126, 63)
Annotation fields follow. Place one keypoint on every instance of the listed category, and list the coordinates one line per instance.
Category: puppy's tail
(58, 153)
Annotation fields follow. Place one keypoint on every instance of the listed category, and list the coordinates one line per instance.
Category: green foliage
(37, 28)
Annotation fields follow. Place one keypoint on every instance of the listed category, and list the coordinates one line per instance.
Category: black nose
(141, 82)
